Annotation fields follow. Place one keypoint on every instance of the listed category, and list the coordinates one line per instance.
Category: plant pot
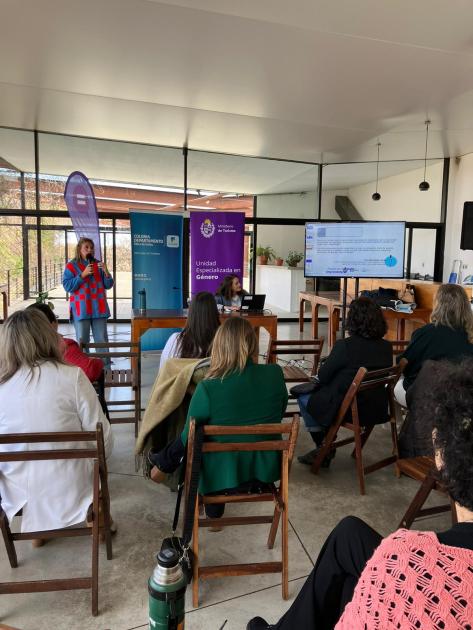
(292, 266)
(279, 262)
(262, 260)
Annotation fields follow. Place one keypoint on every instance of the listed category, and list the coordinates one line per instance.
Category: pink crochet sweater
(413, 581)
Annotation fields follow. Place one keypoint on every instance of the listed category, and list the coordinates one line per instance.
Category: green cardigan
(257, 395)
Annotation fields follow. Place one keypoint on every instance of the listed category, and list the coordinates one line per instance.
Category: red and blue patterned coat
(87, 297)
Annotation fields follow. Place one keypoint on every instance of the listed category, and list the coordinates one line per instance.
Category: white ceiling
(309, 80)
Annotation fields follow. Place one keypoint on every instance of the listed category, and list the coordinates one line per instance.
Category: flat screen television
(354, 249)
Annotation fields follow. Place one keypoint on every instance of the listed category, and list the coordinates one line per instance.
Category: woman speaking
(86, 280)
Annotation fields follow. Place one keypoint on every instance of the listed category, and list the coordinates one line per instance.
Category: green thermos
(167, 591)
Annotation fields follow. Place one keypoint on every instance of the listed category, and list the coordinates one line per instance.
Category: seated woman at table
(365, 347)
(236, 391)
(39, 392)
(411, 579)
(448, 336)
(230, 292)
(195, 339)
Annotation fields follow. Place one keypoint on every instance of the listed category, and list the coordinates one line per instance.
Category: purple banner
(80, 201)
(217, 240)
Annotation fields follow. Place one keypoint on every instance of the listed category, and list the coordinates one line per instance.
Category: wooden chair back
(94, 451)
(299, 347)
(121, 377)
(279, 496)
(423, 469)
(363, 381)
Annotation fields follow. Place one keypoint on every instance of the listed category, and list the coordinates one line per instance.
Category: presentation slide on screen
(355, 250)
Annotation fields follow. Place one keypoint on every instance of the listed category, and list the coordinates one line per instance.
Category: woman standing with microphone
(86, 280)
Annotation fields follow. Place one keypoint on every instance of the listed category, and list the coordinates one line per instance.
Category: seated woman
(229, 293)
(414, 579)
(236, 391)
(195, 339)
(40, 393)
(365, 347)
(449, 336)
(71, 352)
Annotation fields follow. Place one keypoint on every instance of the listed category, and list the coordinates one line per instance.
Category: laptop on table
(253, 303)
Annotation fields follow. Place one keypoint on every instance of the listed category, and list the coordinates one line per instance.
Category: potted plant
(293, 258)
(265, 254)
(42, 298)
(279, 261)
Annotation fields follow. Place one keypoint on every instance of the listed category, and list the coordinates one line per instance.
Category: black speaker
(467, 226)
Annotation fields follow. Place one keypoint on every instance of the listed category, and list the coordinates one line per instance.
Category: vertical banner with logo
(80, 201)
(217, 241)
(156, 248)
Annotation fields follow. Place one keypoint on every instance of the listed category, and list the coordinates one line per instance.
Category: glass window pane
(16, 157)
(124, 175)
(281, 284)
(347, 191)
(423, 254)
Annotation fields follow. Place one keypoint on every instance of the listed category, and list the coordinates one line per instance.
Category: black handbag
(304, 388)
(181, 544)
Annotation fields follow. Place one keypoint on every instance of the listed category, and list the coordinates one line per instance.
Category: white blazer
(54, 493)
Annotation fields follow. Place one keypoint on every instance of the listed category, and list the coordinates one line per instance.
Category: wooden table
(329, 299)
(157, 318)
(332, 302)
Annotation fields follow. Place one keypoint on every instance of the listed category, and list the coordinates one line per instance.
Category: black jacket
(433, 341)
(338, 371)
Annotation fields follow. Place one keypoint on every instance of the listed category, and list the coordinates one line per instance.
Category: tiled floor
(143, 512)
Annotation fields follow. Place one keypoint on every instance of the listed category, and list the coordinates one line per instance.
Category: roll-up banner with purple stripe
(80, 201)
(217, 240)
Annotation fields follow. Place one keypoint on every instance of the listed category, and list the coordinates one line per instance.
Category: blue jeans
(310, 423)
(99, 332)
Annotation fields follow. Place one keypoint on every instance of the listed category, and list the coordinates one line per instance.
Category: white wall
(460, 189)
(401, 199)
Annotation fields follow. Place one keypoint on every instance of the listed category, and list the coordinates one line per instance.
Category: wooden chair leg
(454, 512)
(325, 448)
(417, 502)
(8, 540)
(95, 542)
(364, 438)
(285, 527)
(195, 549)
(274, 526)
(359, 458)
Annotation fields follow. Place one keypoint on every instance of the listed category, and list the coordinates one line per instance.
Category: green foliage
(267, 252)
(42, 298)
(293, 258)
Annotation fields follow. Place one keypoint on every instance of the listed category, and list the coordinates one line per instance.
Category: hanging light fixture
(376, 196)
(424, 185)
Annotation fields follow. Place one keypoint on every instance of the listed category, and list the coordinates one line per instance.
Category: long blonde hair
(82, 240)
(27, 339)
(453, 309)
(234, 343)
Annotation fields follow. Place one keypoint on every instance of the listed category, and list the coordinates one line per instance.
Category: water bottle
(167, 591)
(142, 294)
(455, 277)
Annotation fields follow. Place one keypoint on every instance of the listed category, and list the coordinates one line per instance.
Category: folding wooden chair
(121, 377)
(423, 469)
(278, 495)
(302, 347)
(399, 345)
(363, 381)
(100, 497)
